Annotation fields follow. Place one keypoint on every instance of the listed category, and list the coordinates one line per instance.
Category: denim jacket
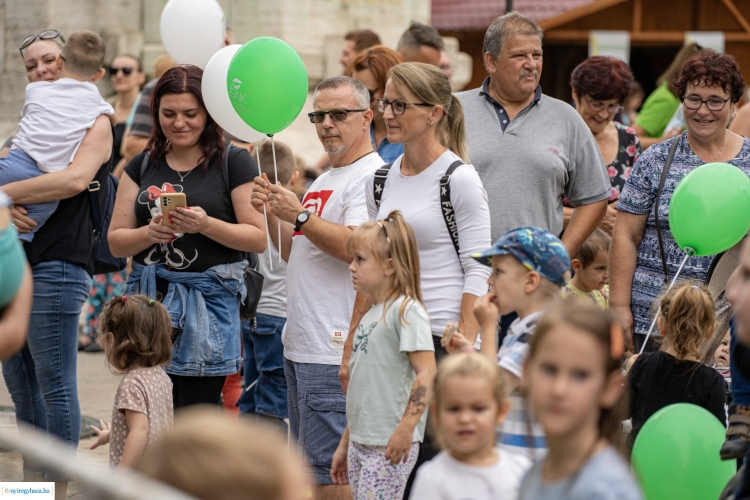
(206, 307)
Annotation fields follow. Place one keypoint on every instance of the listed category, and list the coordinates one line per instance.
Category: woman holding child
(196, 266)
(709, 86)
(41, 378)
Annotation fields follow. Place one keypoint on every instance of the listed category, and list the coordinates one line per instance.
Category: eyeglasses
(398, 107)
(598, 106)
(337, 115)
(694, 103)
(125, 71)
(44, 35)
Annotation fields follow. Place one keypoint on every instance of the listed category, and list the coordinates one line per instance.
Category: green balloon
(676, 454)
(267, 84)
(709, 211)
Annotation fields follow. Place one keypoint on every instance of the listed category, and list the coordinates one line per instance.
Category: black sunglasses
(44, 35)
(125, 71)
(337, 115)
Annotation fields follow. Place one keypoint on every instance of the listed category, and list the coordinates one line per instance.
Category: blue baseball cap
(536, 249)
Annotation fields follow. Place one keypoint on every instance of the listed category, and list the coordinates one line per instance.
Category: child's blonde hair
(141, 332)
(689, 318)
(392, 239)
(214, 457)
(603, 327)
(599, 241)
(466, 365)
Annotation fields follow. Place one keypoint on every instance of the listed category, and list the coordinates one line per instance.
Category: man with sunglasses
(320, 295)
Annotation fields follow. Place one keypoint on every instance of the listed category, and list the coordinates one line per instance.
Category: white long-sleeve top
(445, 277)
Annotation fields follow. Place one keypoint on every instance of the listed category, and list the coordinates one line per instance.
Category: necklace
(720, 150)
(182, 177)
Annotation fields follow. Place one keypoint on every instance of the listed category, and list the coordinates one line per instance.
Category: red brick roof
(477, 15)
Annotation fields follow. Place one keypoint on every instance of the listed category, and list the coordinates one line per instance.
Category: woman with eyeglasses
(709, 87)
(600, 87)
(41, 378)
(421, 113)
(127, 77)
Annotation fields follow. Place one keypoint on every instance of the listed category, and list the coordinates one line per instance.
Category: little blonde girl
(574, 380)
(136, 334)
(590, 264)
(392, 366)
(675, 374)
(469, 402)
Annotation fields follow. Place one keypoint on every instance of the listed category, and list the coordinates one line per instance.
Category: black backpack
(104, 261)
(449, 216)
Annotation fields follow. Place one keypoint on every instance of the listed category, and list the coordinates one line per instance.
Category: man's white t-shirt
(445, 276)
(54, 119)
(320, 295)
(445, 478)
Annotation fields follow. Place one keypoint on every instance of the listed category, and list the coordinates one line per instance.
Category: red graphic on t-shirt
(315, 202)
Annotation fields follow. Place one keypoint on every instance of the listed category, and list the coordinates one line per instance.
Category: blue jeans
(18, 166)
(265, 383)
(740, 383)
(41, 378)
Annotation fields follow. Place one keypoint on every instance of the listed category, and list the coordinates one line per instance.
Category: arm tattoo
(416, 404)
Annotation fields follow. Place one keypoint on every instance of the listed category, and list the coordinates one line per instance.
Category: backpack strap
(381, 175)
(664, 173)
(449, 216)
(225, 169)
(144, 163)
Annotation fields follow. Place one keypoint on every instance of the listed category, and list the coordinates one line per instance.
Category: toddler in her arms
(590, 281)
(55, 117)
(136, 334)
(469, 402)
(392, 366)
(675, 374)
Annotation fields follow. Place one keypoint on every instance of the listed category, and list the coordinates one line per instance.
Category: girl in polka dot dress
(136, 334)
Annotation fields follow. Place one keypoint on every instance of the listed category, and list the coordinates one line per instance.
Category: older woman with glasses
(600, 86)
(41, 378)
(709, 87)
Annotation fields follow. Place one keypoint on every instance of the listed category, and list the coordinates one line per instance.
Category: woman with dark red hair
(709, 87)
(600, 87)
(196, 269)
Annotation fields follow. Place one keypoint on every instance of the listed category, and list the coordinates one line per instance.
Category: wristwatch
(302, 217)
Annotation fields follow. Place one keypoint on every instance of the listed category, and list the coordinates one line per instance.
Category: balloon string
(659, 310)
(276, 176)
(265, 215)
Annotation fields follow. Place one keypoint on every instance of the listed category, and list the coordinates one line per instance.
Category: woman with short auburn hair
(600, 86)
(709, 86)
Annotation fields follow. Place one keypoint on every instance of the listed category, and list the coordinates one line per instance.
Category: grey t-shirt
(380, 373)
(545, 153)
(606, 476)
(273, 298)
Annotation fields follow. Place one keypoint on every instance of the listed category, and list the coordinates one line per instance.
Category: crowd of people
(405, 353)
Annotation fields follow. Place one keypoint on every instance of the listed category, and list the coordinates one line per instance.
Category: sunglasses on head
(125, 71)
(337, 115)
(44, 35)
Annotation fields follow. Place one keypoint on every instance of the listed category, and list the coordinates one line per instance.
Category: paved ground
(96, 390)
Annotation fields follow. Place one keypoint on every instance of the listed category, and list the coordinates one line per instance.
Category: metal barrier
(54, 455)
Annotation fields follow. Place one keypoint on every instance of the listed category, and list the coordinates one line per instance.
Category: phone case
(169, 202)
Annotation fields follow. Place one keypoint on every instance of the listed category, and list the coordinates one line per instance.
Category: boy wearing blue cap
(529, 268)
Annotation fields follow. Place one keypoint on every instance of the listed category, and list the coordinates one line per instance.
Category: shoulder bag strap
(381, 175)
(225, 170)
(446, 206)
(94, 189)
(144, 163)
(664, 173)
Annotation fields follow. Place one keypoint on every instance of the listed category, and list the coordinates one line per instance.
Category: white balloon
(216, 96)
(192, 30)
